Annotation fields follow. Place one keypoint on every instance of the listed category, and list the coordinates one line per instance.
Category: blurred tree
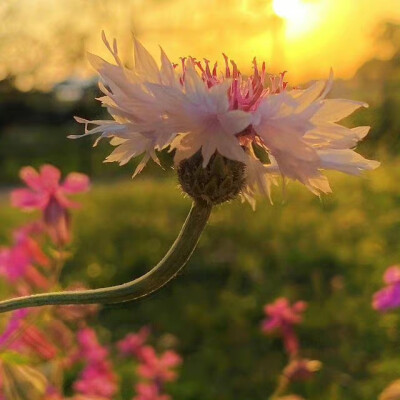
(44, 42)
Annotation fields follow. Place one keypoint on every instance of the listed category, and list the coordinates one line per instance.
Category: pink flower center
(244, 94)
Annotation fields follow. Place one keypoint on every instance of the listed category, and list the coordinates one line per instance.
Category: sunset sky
(46, 41)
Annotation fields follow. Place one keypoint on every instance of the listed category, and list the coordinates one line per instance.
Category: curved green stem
(162, 273)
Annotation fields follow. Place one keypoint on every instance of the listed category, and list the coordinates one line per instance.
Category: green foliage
(330, 252)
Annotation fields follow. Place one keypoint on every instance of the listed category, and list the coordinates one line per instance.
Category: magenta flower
(46, 193)
(133, 343)
(97, 377)
(158, 368)
(85, 397)
(281, 317)
(25, 338)
(14, 324)
(17, 261)
(53, 394)
(90, 350)
(388, 297)
(149, 391)
(34, 341)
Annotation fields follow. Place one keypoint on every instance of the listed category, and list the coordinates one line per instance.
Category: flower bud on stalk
(57, 221)
(302, 369)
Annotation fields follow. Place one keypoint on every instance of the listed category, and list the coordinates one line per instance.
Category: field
(330, 252)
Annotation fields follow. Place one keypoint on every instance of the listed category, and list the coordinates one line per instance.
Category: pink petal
(27, 199)
(392, 275)
(64, 201)
(30, 176)
(387, 298)
(300, 306)
(75, 183)
(36, 253)
(37, 341)
(269, 325)
(171, 359)
(50, 176)
(34, 277)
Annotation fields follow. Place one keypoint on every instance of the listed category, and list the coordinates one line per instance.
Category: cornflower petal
(333, 110)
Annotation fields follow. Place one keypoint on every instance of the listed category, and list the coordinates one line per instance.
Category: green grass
(330, 252)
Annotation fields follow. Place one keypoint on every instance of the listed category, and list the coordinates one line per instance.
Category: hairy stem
(153, 280)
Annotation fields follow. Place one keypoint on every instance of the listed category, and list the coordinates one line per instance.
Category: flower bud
(221, 180)
(57, 221)
(302, 370)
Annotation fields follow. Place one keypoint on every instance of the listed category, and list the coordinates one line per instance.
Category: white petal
(223, 142)
(333, 110)
(347, 161)
(145, 64)
(167, 70)
(219, 96)
(258, 179)
(141, 165)
(196, 90)
(361, 131)
(234, 121)
(307, 96)
(186, 146)
(334, 136)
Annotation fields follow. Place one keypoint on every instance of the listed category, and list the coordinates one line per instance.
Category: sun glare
(289, 9)
(299, 15)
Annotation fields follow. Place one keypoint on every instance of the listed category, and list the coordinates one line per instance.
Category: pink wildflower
(149, 391)
(97, 377)
(26, 338)
(17, 262)
(388, 297)
(47, 194)
(89, 347)
(33, 340)
(14, 324)
(133, 343)
(53, 394)
(281, 317)
(85, 397)
(158, 368)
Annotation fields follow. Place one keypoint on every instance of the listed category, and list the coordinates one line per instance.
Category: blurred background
(330, 252)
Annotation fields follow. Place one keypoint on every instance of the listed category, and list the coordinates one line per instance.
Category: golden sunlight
(40, 47)
(299, 15)
(289, 9)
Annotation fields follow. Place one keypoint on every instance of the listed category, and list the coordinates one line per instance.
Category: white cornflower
(195, 110)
